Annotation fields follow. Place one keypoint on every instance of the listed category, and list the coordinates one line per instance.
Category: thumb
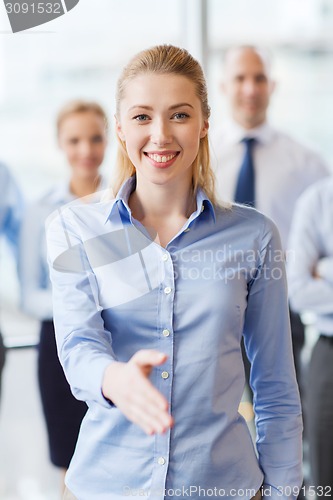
(149, 358)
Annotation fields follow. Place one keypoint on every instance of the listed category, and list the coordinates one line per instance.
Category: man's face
(247, 86)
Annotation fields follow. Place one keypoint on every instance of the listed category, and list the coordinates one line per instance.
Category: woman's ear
(119, 129)
(204, 129)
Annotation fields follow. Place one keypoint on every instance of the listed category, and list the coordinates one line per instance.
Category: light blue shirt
(116, 291)
(311, 247)
(11, 208)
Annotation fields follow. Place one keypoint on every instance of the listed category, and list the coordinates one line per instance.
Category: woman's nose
(161, 133)
(86, 148)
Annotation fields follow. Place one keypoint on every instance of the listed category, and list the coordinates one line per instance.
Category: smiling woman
(162, 140)
(149, 329)
(184, 105)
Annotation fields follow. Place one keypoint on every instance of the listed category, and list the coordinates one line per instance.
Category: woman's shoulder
(245, 220)
(52, 197)
(84, 213)
(242, 214)
(38, 208)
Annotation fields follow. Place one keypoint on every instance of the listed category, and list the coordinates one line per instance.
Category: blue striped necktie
(245, 189)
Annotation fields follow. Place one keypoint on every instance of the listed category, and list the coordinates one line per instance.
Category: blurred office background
(81, 55)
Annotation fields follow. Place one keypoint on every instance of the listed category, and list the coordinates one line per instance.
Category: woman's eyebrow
(180, 105)
(149, 108)
(141, 106)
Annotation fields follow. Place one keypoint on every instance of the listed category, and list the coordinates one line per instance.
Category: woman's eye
(141, 118)
(180, 116)
(97, 139)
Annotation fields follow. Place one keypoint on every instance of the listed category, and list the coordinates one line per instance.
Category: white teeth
(160, 158)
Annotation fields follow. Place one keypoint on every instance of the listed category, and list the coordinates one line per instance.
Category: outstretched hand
(127, 385)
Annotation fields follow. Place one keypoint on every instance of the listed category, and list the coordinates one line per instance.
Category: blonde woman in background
(82, 136)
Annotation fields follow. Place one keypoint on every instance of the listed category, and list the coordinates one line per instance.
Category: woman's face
(82, 137)
(161, 122)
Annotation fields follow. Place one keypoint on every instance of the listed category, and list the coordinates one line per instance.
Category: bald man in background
(256, 163)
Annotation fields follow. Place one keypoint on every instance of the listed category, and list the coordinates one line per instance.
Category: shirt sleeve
(325, 269)
(36, 296)
(314, 169)
(267, 339)
(84, 345)
(306, 248)
(11, 208)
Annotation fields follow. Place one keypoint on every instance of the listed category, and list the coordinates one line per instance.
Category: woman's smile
(163, 159)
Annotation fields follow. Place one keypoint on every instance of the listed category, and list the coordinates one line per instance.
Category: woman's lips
(162, 159)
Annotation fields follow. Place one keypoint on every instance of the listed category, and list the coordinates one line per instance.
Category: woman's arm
(36, 295)
(85, 346)
(276, 398)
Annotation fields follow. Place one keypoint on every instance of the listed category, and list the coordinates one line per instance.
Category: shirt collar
(204, 202)
(263, 133)
(129, 185)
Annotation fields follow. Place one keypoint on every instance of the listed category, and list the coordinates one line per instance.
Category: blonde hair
(167, 59)
(80, 106)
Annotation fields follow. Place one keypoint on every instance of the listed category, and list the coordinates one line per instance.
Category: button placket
(166, 306)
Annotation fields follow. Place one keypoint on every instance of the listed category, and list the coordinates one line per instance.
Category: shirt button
(165, 257)
(165, 375)
(202, 208)
(167, 290)
(166, 333)
(161, 460)
(186, 230)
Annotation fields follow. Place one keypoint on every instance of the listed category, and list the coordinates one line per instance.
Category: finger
(140, 392)
(150, 408)
(152, 423)
(147, 402)
(149, 394)
(137, 413)
(148, 357)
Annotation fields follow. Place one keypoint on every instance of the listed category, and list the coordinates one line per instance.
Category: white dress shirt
(283, 170)
(311, 243)
(36, 292)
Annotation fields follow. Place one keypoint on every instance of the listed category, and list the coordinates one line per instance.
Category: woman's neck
(84, 187)
(163, 210)
(159, 202)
